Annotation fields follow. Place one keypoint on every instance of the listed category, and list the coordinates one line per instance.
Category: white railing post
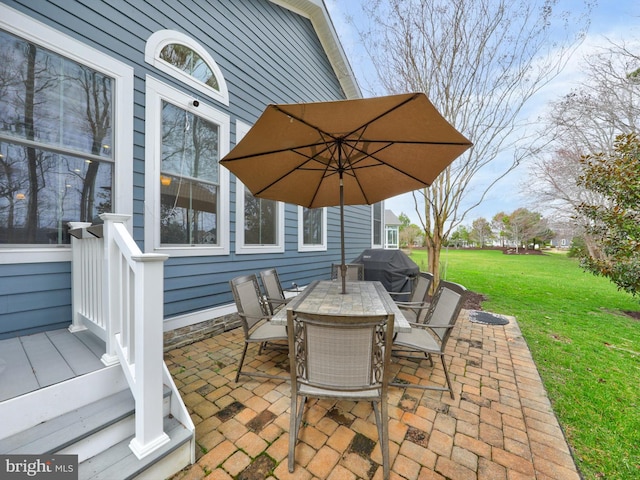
(134, 307)
(77, 254)
(111, 285)
(148, 342)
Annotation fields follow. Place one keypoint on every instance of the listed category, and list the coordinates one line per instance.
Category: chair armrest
(251, 317)
(413, 304)
(415, 307)
(430, 327)
(279, 301)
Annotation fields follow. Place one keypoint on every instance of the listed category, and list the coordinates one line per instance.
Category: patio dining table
(362, 298)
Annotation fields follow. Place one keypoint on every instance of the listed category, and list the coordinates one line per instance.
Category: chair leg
(293, 433)
(244, 352)
(446, 375)
(294, 427)
(448, 388)
(382, 421)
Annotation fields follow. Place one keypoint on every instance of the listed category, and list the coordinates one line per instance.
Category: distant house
(126, 107)
(391, 229)
(564, 233)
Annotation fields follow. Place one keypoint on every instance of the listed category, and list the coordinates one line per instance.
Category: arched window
(182, 57)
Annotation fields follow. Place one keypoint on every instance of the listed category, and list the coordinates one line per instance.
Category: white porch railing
(118, 295)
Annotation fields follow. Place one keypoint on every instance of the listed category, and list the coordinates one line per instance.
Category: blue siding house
(115, 113)
(111, 146)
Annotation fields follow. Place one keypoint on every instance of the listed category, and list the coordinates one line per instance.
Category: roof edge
(316, 11)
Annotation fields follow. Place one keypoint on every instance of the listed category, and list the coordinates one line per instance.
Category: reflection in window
(312, 225)
(56, 143)
(184, 58)
(189, 178)
(260, 220)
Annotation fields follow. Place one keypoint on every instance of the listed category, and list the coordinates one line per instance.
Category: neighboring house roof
(390, 218)
(316, 11)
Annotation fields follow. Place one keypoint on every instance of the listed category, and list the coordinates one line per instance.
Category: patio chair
(343, 358)
(355, 272)
(254, 319)
(430, 337)
(415, 309)
(274, 294)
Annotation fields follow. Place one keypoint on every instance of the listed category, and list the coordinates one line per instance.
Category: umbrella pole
(343, 266)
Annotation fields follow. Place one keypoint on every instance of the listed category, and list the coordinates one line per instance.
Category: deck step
(83, 429)
(60, 432)
(120, 462)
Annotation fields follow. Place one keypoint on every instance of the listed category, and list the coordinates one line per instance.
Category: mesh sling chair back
(416, 308)
(273, 289)
(355, 272)
(343, 358)
(255, 319)
(430, 337)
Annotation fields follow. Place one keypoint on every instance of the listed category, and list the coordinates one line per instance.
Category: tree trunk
(434, 246)
(433, 253)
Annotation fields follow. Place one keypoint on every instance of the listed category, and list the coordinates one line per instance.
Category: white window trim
(242, 249)
(302, 247)
(156, 92)
(34, 31)
(387, 230)
(373, 226)
(160, 39)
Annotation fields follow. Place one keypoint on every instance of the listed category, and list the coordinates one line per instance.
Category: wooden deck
(43, 359)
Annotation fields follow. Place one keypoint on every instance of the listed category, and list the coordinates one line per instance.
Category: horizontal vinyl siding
(34, 297)
(267, 54)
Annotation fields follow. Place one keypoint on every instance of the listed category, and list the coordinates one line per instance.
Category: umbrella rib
(272, 152)
(327, 166)
(364, 125)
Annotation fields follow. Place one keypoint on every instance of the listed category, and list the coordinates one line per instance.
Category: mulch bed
(474, 301)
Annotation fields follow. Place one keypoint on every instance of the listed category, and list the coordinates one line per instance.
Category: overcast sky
(611, 19)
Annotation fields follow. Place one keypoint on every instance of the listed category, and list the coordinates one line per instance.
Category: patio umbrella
(347, 152)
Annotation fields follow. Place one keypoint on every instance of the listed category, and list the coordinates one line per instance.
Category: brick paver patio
(499, 427)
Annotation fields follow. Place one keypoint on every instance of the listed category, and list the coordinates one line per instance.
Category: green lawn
(587, 351)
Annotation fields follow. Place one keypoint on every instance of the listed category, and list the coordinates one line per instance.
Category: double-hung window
(186, 188)
(62, 145)
(258, 220)
(312, 229)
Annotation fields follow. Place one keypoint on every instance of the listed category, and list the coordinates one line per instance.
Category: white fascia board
(316, 11)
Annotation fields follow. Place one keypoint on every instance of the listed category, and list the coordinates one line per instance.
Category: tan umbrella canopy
(348, 152)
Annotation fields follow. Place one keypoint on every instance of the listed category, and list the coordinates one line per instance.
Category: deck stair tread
(16, 375)
(83, 350)
(59, 432)
(47, 362)
(120, 462)
(43, 359)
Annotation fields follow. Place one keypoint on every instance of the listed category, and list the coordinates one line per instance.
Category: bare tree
(479, 62)
(586, 122)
